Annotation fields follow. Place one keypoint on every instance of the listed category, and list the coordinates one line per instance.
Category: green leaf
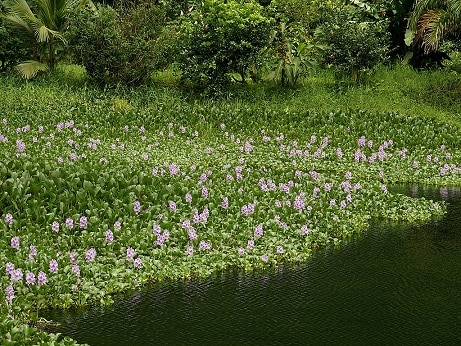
(409, 37)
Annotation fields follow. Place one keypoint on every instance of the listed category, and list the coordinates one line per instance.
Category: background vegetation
(213, 43)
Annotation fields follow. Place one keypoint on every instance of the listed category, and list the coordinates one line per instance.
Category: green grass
(97, 169)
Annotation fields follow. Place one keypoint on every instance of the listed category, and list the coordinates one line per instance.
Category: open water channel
(394, 285)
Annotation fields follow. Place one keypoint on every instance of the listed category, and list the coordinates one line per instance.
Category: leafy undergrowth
(101, 195)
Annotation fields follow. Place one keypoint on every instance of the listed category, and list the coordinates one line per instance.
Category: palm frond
(430, 20)
(18, 23)
(21, 8)
(432, 27)
(30, 68)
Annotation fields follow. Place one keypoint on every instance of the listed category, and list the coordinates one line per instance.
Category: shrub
(122, 46)
(222, 37)
(355, 43)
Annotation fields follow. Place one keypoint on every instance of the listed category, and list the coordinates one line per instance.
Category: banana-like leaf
(30, 68)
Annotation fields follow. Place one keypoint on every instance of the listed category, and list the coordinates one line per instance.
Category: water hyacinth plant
(91, 208)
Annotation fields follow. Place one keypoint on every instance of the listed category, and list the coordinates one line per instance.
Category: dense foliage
(222, 37)
(355, 43)
(120, 46)
(12, 48)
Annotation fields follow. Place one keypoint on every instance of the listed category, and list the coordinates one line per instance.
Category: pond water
(398, 285)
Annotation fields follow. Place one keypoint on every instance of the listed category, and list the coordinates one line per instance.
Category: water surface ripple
(395, 285)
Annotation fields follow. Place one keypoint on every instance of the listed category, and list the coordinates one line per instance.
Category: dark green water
(395, 285)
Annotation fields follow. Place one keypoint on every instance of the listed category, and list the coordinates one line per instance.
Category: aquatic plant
(91, 209)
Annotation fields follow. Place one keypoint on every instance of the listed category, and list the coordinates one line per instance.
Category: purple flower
(203, 178)
(15, 242)
(186, 224)
(117, 225)
(190, 250)
(69, 223)
(251, 244)
(174, 169)
(9, 219)
(73, 257)
(225, 203)
(299, 203)
(285, 188)
(32, 251)
(362, 141)
(53, 266)
(196, 218)
(90, 255)
(241, 251)
(172, 206)
(138, 263)
(76, 270)
(280, 249)
(192, 234)
(204, 192)
(55, 226)
(83, 222)
(304, 230)
(137, 207)
(9, 268)
(203, 245)
(9, 293)
(156, 229)
(258, 232)
(41, 278)
(339, 153)
(188, 197)
(109, 236)
(129, 253)
(30, 278)
(20, 145)
(265, 258)
(16, 275)
(332, 203)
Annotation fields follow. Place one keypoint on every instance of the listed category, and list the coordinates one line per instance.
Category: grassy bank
(107, 190)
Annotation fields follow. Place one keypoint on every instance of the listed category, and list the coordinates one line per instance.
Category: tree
(41, 23)
(431, 20)
(220, 38)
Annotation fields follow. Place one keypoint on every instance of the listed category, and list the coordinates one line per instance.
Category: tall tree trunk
(51, 55)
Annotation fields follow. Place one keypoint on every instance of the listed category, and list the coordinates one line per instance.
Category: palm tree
(42, 22)
(431, 20)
